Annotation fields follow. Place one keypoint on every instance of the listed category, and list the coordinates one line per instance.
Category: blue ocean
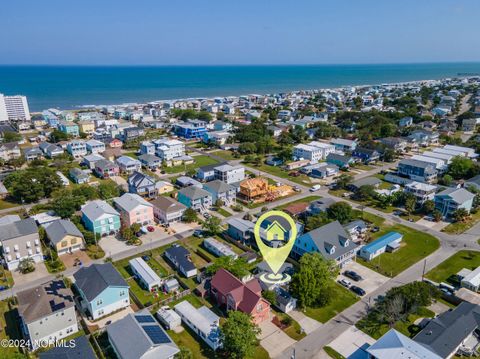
(68, 87)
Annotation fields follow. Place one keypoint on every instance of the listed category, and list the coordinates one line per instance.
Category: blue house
(452, 199)
(102, 289)
(70, 128)
(191, 129)
(330, 240)
(366, 155)
(387, 243)
(342, 161)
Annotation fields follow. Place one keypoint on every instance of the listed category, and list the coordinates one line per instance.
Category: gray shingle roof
(218, 186)
(96, 209)
(329, 235)
(57, 230)
(167, 205)
(17, 229)
(82, 350)
(194, 192)
(44, 300)
(181, 255)
(458, 195)
(94, 279)
(130, 201)
(445, 333)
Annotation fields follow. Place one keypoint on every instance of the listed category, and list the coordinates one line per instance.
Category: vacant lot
(445, 271)
(199, 161)
(416, 245)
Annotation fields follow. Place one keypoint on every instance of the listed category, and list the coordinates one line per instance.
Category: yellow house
(164, 187)
(87, 127)
(64, 236)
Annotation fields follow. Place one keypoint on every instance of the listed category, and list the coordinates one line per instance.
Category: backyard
(416, 245)
(446, 271)
(342, 299)
(307, 199)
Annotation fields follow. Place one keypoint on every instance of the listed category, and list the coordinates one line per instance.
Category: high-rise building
(14, 108)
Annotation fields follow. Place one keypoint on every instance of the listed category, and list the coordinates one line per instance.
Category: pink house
(134, 209)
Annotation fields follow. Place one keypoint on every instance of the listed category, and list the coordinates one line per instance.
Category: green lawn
(460, 227)
(144, 296)
(332, 353)
(342, 298)
(199, 161)
(375, 329)
(4, 204)
(294, 330)
(307, 199)
(445, 271)
(368, 217)
(6, 278)
(200, 350)
(226, 155)
(224, 212)
(10, 330)
(416, 245)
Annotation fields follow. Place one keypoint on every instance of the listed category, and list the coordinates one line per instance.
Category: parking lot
(371, 279)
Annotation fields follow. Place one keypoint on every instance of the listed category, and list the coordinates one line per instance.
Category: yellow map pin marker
(275, 257)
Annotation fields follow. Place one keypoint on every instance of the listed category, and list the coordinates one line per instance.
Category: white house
(202, 321)
(168, 149)
(229, 174)
(145, 274)
(218, 248)
(314, 151)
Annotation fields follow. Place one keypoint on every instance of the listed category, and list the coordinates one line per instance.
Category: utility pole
(424, 267)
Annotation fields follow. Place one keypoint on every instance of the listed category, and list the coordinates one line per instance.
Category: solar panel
(144, 319)
(156, 334)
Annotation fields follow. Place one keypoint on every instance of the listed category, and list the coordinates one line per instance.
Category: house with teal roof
(386, 243)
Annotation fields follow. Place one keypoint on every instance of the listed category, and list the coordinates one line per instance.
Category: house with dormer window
(332, 242)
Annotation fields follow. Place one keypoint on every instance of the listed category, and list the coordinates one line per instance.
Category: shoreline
(402, 83)
(79, 88)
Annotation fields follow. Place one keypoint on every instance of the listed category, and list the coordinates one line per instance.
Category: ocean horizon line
(346, 64)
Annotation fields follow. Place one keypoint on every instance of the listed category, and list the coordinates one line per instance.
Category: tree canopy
(239, 335)
(312, 283)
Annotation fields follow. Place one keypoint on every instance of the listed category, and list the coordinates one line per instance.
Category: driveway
(38, 274)
(371, 279)
(352, 343)
(438, 226)
(69, 259)
(273, 339)
(308, 324)
(110, 318)
(111, 245)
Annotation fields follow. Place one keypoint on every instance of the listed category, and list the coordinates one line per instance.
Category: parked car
(198, 233)
(206, 215)
(375, 229)
(345, 283)
(150, 228)
(2, 287)
(294, 174)
(352, 275)
(297, 189)
(146, 258)
(357, 290)
(315, 188)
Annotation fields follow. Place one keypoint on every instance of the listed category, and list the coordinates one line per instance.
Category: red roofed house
(231, 293)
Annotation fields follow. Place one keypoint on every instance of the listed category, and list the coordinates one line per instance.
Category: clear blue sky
(184, 32)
